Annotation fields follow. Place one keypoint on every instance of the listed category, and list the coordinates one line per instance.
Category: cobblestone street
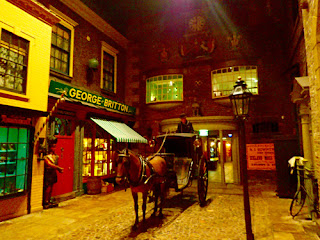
(111, 216)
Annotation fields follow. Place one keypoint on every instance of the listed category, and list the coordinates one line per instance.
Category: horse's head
(122, 163)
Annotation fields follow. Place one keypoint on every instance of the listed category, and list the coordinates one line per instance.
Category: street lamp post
(240, 99)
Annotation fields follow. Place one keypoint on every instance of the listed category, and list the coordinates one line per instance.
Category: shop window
(224, 79)
(164, 88)
(13, 62)
(102, 166)
(14, 159)
(108, 68)
(265, 127)
(101, 150)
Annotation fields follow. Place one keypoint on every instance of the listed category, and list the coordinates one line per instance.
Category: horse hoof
(161, 215)
(135, 227)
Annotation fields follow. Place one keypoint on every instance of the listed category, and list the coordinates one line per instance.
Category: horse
(143, 175)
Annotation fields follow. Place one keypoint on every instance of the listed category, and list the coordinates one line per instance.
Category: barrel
(93, 185)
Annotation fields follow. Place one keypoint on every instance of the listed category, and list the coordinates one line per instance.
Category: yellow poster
(261, 156)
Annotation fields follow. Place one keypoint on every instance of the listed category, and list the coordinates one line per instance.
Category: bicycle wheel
(297, 203)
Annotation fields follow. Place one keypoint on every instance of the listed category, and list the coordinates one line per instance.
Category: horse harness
(143, 178)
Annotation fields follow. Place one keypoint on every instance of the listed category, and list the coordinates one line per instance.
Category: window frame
(156, 78)
(26, 64)
(105, 47)
(27, 165)
(69, 24)
(234, 75)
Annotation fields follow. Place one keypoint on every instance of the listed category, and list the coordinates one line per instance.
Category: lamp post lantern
(240, 100)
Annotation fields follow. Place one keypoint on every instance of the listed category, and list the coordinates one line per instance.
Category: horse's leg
(135, 199)
(144, 204)
(156, 196)
(162, 191)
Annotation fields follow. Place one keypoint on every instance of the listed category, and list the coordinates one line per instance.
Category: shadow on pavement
(173, 207)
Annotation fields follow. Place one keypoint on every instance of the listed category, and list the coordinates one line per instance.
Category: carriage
(177, 162)
(185, 162)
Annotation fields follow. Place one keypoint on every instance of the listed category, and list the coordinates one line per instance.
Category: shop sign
(15, 120)
(91, 98)
(261, 156)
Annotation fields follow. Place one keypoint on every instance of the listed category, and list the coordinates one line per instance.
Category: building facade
(24, 81)
(187, 58)
(66, 81)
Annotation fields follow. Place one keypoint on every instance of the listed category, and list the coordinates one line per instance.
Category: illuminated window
(224, 79)
(13, 62)
(164, 88)
(108, 68)
(14, 159)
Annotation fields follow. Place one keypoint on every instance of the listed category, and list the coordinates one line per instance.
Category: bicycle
(305, 174)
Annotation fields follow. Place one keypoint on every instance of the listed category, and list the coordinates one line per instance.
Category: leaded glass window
(60, 49)
(224, 79)
(164, 88)
(13, 62)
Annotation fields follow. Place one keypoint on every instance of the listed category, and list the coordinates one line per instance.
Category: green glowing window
(164, 88)
(224, 79)
(14, 159)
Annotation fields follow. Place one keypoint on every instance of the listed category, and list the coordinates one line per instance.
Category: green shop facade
(89, 127)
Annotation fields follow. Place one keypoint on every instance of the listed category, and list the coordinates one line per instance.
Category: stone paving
(111, 216)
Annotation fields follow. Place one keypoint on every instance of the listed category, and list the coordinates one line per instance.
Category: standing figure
(50, 175)
(184, 126)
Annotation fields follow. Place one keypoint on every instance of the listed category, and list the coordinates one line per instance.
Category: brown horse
(143, 176)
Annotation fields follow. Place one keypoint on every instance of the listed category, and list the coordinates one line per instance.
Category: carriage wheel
(203, 180)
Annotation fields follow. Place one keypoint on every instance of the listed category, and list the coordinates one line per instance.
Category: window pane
(14, 49)
(108, 72)
(14, 158)
(168, 88)
(60, 49)
(223, 80)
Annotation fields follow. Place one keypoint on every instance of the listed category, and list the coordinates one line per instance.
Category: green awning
(120, 131)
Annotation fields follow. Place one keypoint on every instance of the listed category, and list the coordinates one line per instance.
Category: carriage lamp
(152, 143)
(240, 100)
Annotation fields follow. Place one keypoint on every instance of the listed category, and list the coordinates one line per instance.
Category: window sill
(108, 93)
(224, 100)
(60, 75)
(163, 105)
(14, 97)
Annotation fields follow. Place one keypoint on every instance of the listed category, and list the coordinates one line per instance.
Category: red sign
(261, 156)
(15, 120)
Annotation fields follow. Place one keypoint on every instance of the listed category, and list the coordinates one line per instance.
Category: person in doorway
(50, 174)
(184, 126)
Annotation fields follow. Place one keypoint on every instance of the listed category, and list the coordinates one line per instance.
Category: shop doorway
(220, 158)
(65, 150)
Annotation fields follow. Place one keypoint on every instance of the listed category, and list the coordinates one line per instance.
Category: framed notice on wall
(261, 156)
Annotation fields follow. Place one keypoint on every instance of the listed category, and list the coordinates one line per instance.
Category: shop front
(89, 128)
(16, 155)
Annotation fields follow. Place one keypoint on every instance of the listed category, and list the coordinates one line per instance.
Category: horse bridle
(126, 176)
(123, 155)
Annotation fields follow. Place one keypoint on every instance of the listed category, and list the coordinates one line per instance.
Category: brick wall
(311, 31)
